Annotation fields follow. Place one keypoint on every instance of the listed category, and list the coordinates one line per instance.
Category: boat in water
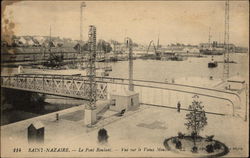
(212, 63)
(211, 51)
(108, 68)
(212, 48)
(177, 57)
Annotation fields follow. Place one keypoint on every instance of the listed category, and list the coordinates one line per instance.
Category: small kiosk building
(120, 100)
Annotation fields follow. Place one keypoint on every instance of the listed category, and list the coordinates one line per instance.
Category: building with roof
(120, 100)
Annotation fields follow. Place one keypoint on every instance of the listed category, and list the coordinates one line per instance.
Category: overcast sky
(184, 21)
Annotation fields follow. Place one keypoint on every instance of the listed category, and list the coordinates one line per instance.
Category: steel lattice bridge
(61, 85)
(151, 92)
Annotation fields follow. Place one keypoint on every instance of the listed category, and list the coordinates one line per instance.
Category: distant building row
(38, 41)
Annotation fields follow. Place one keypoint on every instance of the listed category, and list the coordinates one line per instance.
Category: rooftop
(123, 93)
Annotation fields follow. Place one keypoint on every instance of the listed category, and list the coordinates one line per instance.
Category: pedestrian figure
(178, 106)
(172, 80)
(57, 116)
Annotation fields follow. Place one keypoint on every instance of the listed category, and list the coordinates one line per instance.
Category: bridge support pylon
(89, 116)
(90, 112)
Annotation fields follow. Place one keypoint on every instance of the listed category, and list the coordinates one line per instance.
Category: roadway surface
(145, 127)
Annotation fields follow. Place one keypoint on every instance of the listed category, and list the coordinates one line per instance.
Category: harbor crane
(151, 43)
(157, 53)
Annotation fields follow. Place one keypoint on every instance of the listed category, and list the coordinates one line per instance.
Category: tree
(104, 46)
(115, 42)
(196, 119)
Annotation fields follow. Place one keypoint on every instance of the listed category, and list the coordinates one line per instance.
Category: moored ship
(212, 63)
(212, 51)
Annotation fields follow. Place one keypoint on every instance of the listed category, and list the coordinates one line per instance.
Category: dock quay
(71, 122)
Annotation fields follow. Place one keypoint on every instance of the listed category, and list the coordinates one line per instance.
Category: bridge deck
(151, 92)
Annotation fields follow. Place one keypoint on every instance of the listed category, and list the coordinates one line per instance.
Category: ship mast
(209, 38)
(50, 39)
(158, 42)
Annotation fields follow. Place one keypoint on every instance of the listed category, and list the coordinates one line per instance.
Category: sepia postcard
(124, 78)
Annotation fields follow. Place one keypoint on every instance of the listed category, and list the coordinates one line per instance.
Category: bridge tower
(226, 43)
(129, 45)
(90, 67)
(91, 89)
(81, 9)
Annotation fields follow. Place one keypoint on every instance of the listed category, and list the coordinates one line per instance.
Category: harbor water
(157, 70)
(193, 69)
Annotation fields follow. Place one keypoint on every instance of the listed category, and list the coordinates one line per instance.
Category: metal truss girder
(76, 87)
